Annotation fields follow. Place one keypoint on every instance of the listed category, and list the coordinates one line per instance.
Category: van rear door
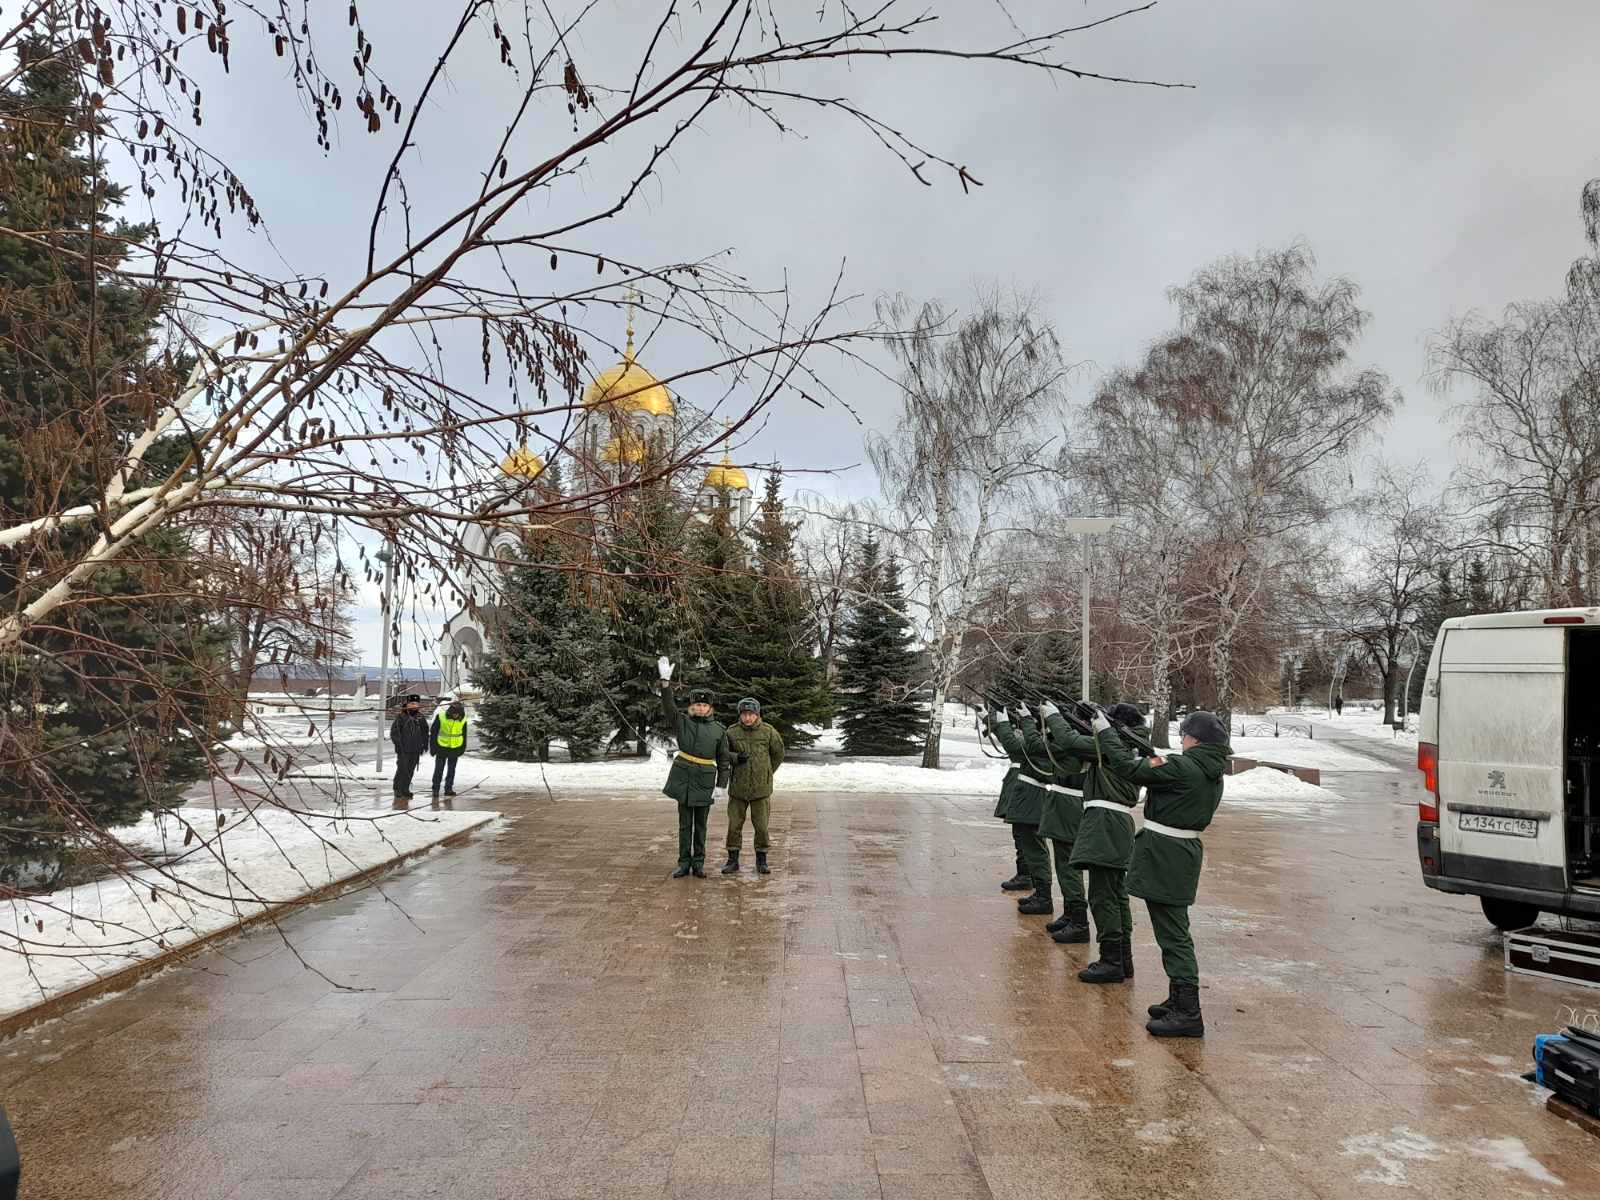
(1501, 767)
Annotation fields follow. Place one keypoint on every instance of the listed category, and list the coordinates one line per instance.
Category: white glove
(1002, 718)
(1049, 710)
(1100, 724)
(664, 665)
(719, 795)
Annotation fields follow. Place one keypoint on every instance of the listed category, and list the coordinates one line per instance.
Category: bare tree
(826, 551)
(981, 396)
(1402, 533)
(1532, 434)
(1267, 408)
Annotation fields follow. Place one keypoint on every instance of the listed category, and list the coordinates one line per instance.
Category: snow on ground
(1266, 790)
(964, 776)
(1369, 723)
(267, 857)
(1304, 752)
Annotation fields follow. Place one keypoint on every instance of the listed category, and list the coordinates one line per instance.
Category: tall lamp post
(386, 557)
(1088, 527)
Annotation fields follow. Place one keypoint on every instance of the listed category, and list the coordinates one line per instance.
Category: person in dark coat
(447, 742)
(409, 733)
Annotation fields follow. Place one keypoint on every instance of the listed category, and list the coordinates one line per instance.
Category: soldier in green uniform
(1181, 796)
(1104, 843)
(1024, 810)
(757, 750)
(699, 775)
(1058, 829)
(1021, 881)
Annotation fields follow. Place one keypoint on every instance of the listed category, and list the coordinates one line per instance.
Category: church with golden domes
(629, 422)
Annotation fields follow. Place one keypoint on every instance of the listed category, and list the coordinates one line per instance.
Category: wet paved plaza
(543, 1013)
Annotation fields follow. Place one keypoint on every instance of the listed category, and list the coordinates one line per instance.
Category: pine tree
(722, 602)
(765, 646)
(1480, 598)
(877, 665)
(111, 707)
(545, 671)
(646, 603)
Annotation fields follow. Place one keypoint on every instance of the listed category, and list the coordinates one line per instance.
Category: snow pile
(1304, 752)
(1266, 790)
(259, 859)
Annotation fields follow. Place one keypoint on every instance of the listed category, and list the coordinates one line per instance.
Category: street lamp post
(386, 557)
(1088, 527)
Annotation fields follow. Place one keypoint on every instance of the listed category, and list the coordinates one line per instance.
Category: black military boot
(1108, 969)
(1127, 957)
(731, 867)
(1017, 883)
(1063, 920)
(761, 863)
(681, 871)
(1076, 931)
(1182, 1018)
(1040, 904)
(699, 872)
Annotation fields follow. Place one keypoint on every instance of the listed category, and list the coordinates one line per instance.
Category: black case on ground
(1572, 1072)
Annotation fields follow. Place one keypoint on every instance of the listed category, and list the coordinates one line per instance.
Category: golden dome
(727, 476)
(628, 387)
(522, 463)
(626, 447)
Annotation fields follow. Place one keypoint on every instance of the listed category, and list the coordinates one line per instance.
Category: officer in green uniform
(757, 750)
(1181, 796)
(699, 775)
(1104, 843)
(1058, 828)
(1021, 881)
(1025, 810)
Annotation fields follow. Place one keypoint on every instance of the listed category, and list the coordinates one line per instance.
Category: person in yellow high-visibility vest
(447, 741)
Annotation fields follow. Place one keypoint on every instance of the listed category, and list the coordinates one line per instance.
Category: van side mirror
(10, 1161)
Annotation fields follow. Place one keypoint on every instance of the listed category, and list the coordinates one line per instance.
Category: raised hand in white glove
(1001, 717)
(1099, 723)
(719, 795)
(1049, 710)
(664, 665)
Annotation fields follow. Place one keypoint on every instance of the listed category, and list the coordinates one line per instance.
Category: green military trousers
(1071, 881)
(692, 834)
(760, 811)
(1108, 901)
(1035, 855)
(1170, 924)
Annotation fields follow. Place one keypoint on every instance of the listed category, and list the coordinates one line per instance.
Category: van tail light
(1563, 620)
(1428, 764)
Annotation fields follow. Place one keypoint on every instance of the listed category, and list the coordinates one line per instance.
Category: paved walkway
(542, 1013)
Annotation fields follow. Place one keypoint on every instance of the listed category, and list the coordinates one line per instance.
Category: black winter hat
(700, 696)
(1204, 727)
(1125, 714)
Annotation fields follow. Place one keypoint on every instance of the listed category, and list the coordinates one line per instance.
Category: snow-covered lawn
(1304, 752)
(267, 857)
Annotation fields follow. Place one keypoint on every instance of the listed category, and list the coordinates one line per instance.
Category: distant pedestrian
(699, 775)
(757, 754)
(1338, 706)
(447, 742)
(409, 733)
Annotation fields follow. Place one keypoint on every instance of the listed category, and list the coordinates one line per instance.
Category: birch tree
(982, 396)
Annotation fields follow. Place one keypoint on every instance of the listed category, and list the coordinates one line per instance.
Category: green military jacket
(1105, 837)
(1182, 794)
(1002, 806)
(1026, 806)
(1063, 793)
(690, 782)
(757, 754)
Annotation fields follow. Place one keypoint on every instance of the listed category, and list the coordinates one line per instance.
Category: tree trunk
(1390, 675)
(930, 748)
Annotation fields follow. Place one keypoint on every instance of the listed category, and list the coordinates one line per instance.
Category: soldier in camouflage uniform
(757, 750)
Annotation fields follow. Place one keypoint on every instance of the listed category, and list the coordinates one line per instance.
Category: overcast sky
(1432, 150)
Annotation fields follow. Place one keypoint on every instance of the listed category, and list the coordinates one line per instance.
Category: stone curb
(123, 979)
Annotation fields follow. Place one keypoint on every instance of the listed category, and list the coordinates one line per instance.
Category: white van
(1510, 756)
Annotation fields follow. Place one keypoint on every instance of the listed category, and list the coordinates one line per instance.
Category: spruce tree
(877, 665)
(110, 707)
(646, 604)
(544, 672)
(769, 653)
(722, 601)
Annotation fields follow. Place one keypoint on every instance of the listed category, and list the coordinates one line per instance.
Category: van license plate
(1510, 826)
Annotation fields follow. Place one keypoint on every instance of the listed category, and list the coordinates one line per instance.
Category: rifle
(984, 735)
(1027, 758)
(1078, 713)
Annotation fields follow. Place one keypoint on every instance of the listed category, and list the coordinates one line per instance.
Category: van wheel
(1508, 914)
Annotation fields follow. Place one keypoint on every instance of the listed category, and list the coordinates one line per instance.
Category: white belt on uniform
(1030, 779)
(1112, 805)
(1062, 789)
(1169, 831)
